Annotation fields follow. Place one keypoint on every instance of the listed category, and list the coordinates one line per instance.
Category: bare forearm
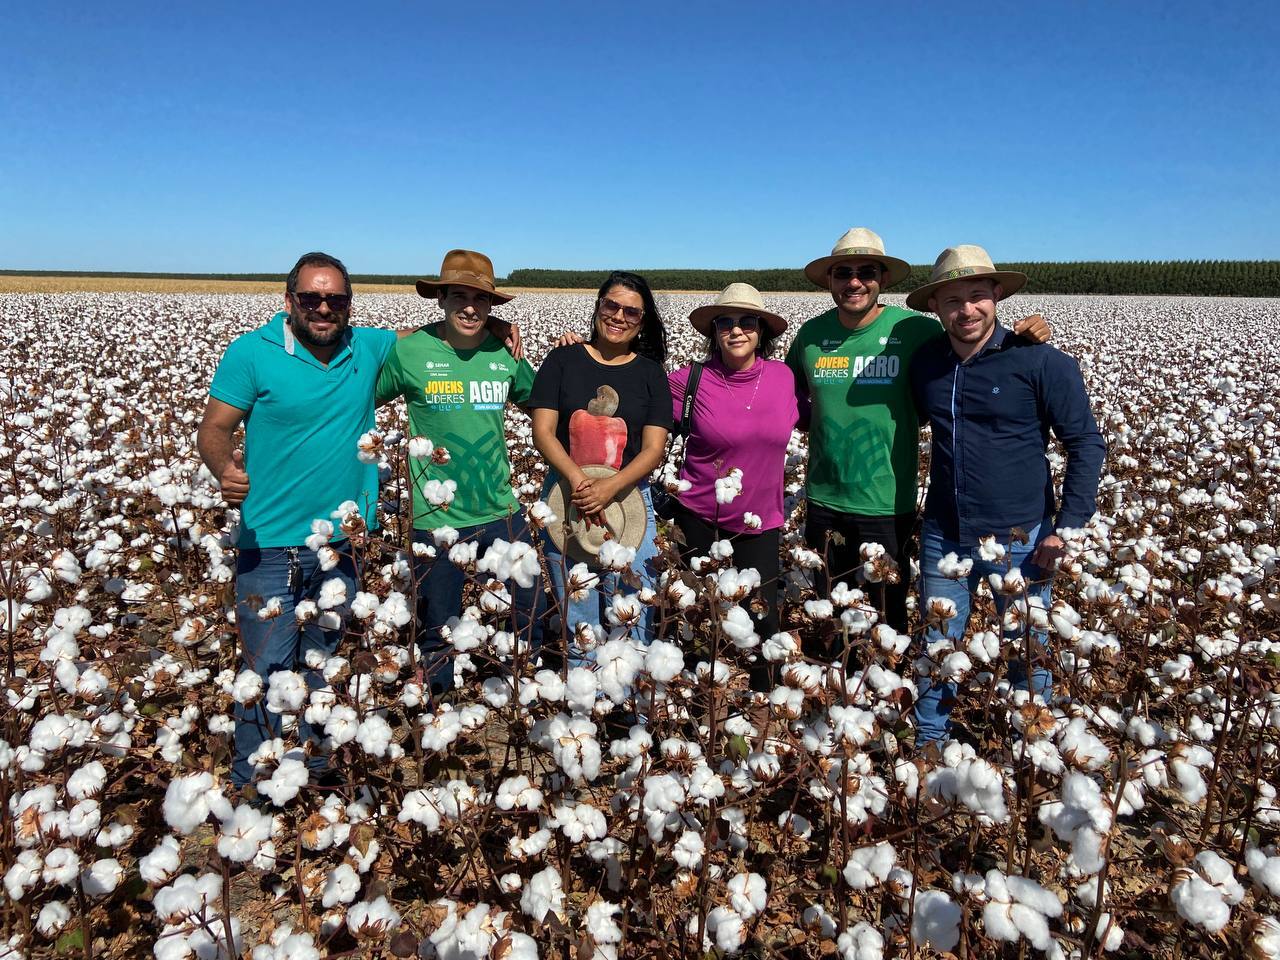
(549, 445)
(215, 446)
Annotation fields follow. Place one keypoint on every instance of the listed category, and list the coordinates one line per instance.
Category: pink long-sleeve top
(743, 419)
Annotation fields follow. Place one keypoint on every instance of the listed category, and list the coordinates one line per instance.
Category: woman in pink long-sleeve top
(744, 410)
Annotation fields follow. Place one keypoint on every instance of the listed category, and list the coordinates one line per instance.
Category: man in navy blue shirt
(992, 399)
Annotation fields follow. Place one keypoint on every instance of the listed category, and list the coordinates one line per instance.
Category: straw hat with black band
(736, 298)
(463, 268)
(858, 243)
(965, 261)
(625, 519)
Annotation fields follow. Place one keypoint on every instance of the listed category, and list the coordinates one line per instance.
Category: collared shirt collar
(278, 331)
(996, 342)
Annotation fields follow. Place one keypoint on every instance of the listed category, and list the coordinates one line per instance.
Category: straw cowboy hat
(736, 298)
(625, 519)
(858, 242)
(961, 261)
(463, 268)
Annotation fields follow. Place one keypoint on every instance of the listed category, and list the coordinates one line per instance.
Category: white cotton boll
(306, 611)
(53, 917)
(244, 834)
(286, 692)
(87, 781)
(189, 800)
(721, 550)
(1080, 748)
(342, 724)
(953, 568)
(990, 549)
(616, 556)
(1221, 874)
(518, 792)
(61, 865)
(287, 779)
(779, 647)
(333, 593)
(440, 493)
(444, 537)
(1198, 902)
(600, 923)
(739, 628)
(580, 690)
(868, 866)
(747, 894)
(617, 663)
(624, 610)
(974, 783)
(752, 521)
(372, 920)
(851, 725)
(159, 865)
(729, 487)
(1081, 817)
(82, 819)
(936, 922)
(340, 886)
(955, 666)
(420, 448)
(1264, 870)
(861, 942)
(688, 850)
(102, 878)
(664, 661)
(271, 609)
(364, 606)
(187, 896)
(23, 874)
(727, 927)
(542, 894)
(890, 640)
(374, 735)
(819, 609)
(464, 633)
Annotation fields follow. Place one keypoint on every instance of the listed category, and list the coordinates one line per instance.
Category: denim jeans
(591, 608)
(440, 584)
(280, 643)
(933, 708)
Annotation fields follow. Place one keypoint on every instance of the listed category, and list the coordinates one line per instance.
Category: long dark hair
(652, 342)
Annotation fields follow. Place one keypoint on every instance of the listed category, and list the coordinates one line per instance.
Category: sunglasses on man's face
(865, 273)
(610, 307)
(310, 300)
(725, 323)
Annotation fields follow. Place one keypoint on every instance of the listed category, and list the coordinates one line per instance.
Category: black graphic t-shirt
(603, 409)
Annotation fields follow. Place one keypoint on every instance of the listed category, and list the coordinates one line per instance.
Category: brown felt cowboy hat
(736, 298)
(858, 243)
(625, 519)
(463, 268)
(961, 262)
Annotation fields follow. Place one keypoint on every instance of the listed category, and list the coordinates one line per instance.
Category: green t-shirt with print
(864, 433)
(457, 398)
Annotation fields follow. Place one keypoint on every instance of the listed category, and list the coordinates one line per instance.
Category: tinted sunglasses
(609, 308)
(864, 273)
(310, 300)
(748, 324)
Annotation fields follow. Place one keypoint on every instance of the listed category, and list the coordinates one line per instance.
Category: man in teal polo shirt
(303, 385)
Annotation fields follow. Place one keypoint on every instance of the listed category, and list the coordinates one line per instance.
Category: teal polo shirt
(302, 422)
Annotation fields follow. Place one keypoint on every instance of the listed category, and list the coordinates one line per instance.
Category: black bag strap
(690, 391)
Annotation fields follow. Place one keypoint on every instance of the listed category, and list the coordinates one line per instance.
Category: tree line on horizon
(1208, 278)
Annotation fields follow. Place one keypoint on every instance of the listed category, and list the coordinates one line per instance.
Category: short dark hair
(652, 342)
(768, 340)
(316, 259)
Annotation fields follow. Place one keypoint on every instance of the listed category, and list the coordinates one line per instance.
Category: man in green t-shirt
(864, 433)
(457, 379)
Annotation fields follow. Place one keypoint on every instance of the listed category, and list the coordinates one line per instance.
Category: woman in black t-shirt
(607, 402)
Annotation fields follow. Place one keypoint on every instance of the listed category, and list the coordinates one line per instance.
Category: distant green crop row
(1211, 278)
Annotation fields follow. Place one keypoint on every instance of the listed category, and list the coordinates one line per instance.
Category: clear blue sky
(234, 136)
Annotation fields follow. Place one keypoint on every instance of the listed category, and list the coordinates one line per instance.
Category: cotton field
(653, 806)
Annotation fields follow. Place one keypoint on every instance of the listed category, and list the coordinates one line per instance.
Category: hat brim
(701, 317)
(896, 270)
(1010, 282)
(626, 518)
(430, 289)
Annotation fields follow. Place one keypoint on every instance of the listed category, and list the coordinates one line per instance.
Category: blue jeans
(936, 698)
(591, 608)
(440, 585)
(281, 643)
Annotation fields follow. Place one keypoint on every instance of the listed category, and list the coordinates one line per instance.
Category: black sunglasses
(863, 273)
(724, 323)
(611, 308)
(310, 300)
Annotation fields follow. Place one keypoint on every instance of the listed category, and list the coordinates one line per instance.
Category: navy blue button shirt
(991, 417)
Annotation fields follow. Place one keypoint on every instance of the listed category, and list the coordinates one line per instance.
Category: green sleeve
(390, 380)
(795, 360)
(522, 385)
